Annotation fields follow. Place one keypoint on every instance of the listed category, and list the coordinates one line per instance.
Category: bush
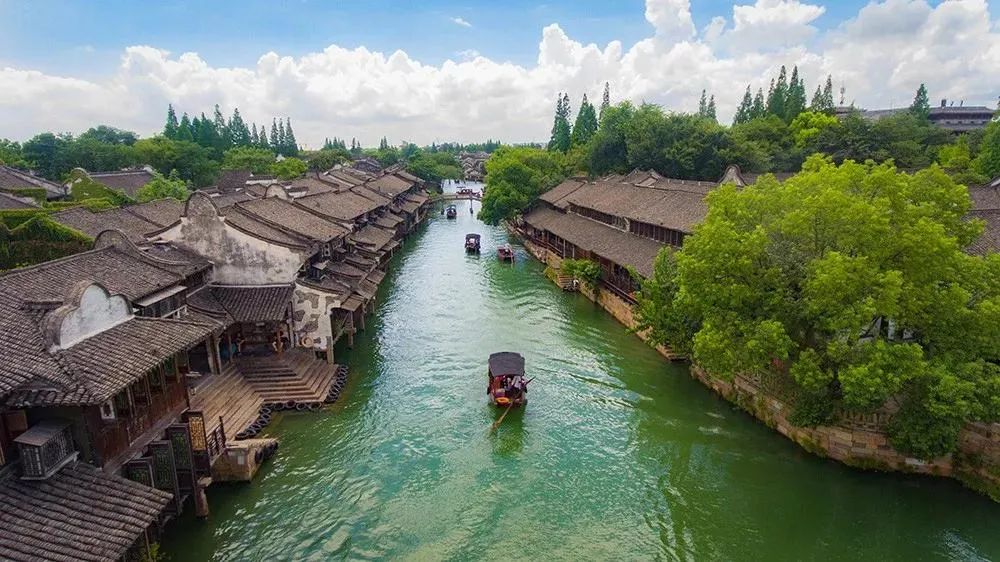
(586, 271)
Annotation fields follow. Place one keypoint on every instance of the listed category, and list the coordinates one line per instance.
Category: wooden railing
(117, 436)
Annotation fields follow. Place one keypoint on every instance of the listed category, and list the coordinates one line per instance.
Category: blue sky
(66, 35)
(66, 65)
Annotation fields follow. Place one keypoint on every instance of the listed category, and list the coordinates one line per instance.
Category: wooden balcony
(119, 441)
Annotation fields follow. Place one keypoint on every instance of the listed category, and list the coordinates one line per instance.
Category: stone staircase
(565, 282)
(227, 395)
(294, 376)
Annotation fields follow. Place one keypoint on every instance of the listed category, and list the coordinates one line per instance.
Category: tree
(759, 107)
(608, 151)
(808, 124)
(239, 134)
(605, 101)
(434, 167)
(324, 159)
(561, 132)
(10, 153)
(276, 139)
(109, 135)
(224, 138)
(193, 163)
(778, 95)
(516, 176)
(254, 135)
(703, 104)
(161, 188)
(828, 94)
(48, 154)
(291, 145)
(921, 106)
(586, 123)
(851, 287)
(956, 160)
(795, 103)
(745, 110)
(170, 129)
(987, 162)
(257, 160)
(289, 168)
(184, 129)
(263, 142)
(710, 110)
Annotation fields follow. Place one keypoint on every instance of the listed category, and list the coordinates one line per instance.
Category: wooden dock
(294, 376)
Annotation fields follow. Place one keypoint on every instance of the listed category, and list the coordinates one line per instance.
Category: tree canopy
(516, 176)
(847, 283)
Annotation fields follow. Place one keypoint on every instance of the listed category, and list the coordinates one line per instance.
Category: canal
(619, 455)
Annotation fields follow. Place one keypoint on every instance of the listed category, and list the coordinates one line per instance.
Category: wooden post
(329, 351)
(362, 317)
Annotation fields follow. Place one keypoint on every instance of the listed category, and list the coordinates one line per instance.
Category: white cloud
(461, 22)
(881, 55)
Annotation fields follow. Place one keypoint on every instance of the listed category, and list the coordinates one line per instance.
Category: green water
(619, 455)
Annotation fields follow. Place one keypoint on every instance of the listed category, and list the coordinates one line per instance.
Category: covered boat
(472, 243)
(451, 212)
(507, 385)
(505, 253)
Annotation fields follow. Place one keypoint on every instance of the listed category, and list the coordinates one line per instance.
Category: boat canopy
(471, 237)
(506, 363)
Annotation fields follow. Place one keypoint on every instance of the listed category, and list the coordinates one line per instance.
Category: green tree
(289, 168)
(956, 160)
(795, 103)
(921, 106)
(193, 163)
(257, 160)
(608, 152)
(516, 176)
(290, 144)
(778, 94)
(10, 153)
(807, 125)
(239, 134)
(703, 104)
(987, 162)
(48, 154)
(161, 188)
(850, 284)
(605, 101)
(170, 129)
(276, 139)
(109, 135)
(586, 123)
(745, 110)
(322, 160)
(758, 108)
(223, 137)
(184, 129)
(561, 132)
(434, 167)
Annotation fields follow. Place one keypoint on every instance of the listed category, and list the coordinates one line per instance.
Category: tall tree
(223, 139)
(585, 126)
(795, 102)
(828, 104)
(744, 111)
(921, 106)
(263, 142)
(291, 145)
(779, 94)
(703, 104)
(275, 137)
(816, 104)
(710, 109)
(238, 132)
(282, 138)
(254, 135)
(561, 132)
(170, 129)
(759, 107)
(184, 129)
(605, 101)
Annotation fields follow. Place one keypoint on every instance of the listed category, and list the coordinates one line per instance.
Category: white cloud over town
(881, 55)
(461, 22)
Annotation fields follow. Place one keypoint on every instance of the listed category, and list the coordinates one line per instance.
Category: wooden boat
(472, 243)
(507, 386)
(505, 253)
(451, 212)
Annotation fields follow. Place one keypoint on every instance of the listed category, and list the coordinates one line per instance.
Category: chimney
(944, 102)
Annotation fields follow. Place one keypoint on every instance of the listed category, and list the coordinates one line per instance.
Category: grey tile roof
(129, 181)
(254, 304)
(232, 180)
(12, 178)
(79, 513)
(8, 201)
(557, 195)
(374, 237)
(251, 224)
(229, 199)
(612, 244)
(984, 198)
(289, 216)
(22, 348)
(162, 212)
(989, 241)
(92, 224)
(390, 185)
(345, 205)
(668, 207)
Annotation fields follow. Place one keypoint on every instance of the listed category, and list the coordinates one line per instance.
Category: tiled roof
(374, 237)
(558, 194)
(118, 271)
(254, 304)
(984, 198)
(229, 199)
(612, 244)
(252, 225)
(418, 198)
(390, 185)
(162, 212)
(12, 178)
(8, 201)
(232, 180)
(365, 191)
(22, 348)
(79, 513)
(345, 205)
(667, 207)
(989, 241)
(289, 216)
(92, 224)
(344, 176)
(310, 184)
(388, 220)
(129, 181)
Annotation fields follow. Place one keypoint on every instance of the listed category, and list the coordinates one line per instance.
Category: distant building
(957, 119)
(128, 181)
(13, 180)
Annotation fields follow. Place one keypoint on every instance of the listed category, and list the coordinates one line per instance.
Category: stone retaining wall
(976, 463)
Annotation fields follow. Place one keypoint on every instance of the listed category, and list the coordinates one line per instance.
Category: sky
(450, 70)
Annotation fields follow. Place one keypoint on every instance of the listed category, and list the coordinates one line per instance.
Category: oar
(496, 424)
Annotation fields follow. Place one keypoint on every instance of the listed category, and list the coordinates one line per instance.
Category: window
(108, 411)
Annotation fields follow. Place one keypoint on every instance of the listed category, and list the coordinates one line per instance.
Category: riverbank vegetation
(848, 286)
